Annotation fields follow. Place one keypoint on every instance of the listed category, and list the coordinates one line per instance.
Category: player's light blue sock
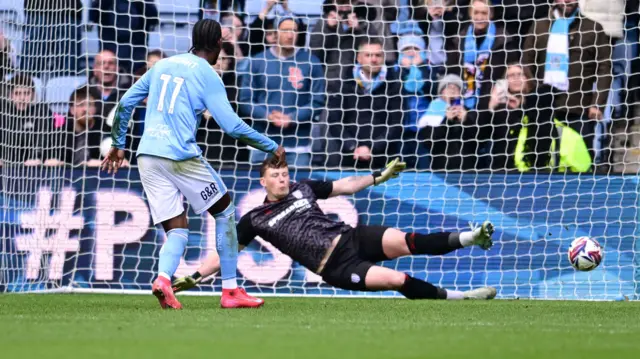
(172, 250)
(227, 246)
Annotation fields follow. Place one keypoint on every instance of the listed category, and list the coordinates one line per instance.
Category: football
(585, 254)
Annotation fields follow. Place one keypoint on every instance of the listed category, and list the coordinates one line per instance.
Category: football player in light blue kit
(178, 90)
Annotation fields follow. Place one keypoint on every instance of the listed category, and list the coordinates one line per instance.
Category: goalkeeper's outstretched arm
(209, 267)
(354, 184)
(211, 264)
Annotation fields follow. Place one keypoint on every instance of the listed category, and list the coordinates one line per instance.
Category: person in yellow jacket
(522, 130)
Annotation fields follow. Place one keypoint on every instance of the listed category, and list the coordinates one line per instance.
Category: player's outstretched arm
(138, 92)
(354, 184)
(216, 101)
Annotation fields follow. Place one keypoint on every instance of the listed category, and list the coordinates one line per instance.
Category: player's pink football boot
(162, 290)
(238, 298)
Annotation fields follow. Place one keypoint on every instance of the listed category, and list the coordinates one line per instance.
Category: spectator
(123, 28)
(449, 129)
(365, 115)
(225, 67)
(153, 57)
(416, 90)
(413, 65)
(53, 33)
(399, 12)
(27, 127)
(235, 33)
(107, 81)
(283, 93)
(110, 85)
(252, 41)
(333, 39)
(518, 16)
(244, 40)
(261, 31)
(516, 105)
(261, 34)
(480, 54)
(440, 25)
(381, 15)
(632, 35)
(219, 148)
(572, 54)
(611, 15)
(84, 128)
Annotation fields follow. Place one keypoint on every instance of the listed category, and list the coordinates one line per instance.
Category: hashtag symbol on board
(42, 220)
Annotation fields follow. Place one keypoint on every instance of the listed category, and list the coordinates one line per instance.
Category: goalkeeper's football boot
(238, 298)
(185, 283)
(162, 290)
(482, 235)
(484, 293)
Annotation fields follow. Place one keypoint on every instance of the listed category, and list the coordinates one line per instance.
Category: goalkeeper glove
(392, 170)
(185, 283)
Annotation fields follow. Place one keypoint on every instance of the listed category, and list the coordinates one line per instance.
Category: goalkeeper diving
(345, 257)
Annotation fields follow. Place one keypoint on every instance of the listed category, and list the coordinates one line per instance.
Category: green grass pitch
(115, 326)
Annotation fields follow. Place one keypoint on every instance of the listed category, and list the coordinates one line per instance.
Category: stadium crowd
(518, 85)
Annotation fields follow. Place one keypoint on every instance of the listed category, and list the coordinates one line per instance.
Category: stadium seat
(12, 10)
(307, 7)
(183, 6)
(90, 42)
(59, 89)
(155, 40)
(10, 28)
(178, 12)
(171, 39)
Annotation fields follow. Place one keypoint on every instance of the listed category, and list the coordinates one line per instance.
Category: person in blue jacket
(283, 92)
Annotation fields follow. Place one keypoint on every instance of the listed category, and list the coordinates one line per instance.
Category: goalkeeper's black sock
(418, 289)
(434, 244)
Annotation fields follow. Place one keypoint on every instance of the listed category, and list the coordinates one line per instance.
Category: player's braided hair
(206, 35)
(271, 162)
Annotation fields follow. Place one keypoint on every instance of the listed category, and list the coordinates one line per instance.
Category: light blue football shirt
(178, 90)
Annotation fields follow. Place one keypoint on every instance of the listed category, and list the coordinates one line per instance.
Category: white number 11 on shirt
(178, 81)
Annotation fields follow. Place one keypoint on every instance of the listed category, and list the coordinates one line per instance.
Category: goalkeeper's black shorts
(357, 250)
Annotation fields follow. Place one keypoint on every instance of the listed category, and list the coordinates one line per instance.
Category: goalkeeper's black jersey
(295, 225)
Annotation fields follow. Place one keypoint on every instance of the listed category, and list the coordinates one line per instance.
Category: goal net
(518, 114)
